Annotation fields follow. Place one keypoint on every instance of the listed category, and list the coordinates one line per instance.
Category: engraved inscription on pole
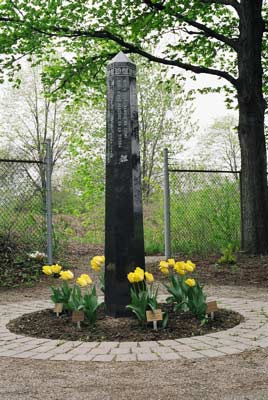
(124, 243)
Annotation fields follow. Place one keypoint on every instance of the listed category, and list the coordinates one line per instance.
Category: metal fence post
(48, 167)
(166, 205)
(241, 213)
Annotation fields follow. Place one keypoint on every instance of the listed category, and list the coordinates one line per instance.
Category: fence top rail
(203, 170)
(21, 161)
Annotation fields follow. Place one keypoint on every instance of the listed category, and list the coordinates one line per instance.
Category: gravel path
(234, 377)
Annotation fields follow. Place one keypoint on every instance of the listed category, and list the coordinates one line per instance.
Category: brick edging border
(250, 334)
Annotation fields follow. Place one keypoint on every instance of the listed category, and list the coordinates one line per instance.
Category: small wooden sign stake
(154, 316)
(78, 317)
(58, 307)
(211, 308)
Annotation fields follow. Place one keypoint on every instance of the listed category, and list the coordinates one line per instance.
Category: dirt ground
(236, 377)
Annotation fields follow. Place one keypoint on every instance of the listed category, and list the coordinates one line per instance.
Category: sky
(208, 107)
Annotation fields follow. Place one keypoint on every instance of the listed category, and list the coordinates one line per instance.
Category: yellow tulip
(180, 267)
(56, 268)
(97, 263)
(189, 262)
(188, 267)
(82, 282)
(139, 272)
(149, 277)
(171, 262)
(190, 282)
(138, 277)
(131, 277)
(181, 271)
(180, 264)
(95, 266)
(164, 270)
(87, 278)
(47, 270)
(66, 275)
(163, 266)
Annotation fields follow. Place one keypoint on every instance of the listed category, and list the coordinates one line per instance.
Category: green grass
(204, 219)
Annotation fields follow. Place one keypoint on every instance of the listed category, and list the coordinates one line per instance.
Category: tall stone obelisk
(124, 239)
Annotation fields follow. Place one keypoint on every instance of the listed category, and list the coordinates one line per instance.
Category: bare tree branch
(202, 27)
(103, 34)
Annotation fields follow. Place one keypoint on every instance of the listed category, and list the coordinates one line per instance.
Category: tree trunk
(254, 205)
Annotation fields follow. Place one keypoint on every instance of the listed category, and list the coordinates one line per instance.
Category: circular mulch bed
(45, 324)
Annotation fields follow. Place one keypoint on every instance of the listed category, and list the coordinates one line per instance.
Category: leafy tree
(224, 38)
(31, 119)
(164, 118)
(86, 154)
(164, 121)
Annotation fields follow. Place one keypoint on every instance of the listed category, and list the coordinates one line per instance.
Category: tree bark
(254, 204)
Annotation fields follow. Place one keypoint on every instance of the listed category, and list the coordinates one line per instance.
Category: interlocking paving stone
(192, 355)
(120, 351)
(104, 357)
(83, 357)
(100, 351)
(250, 334)
(111, 345)
(62, 357)
(210, 353)
(42, 356)
(200, 346)
(81, 349)
(147, 357)
(229, 350)
(182, 347)
(207, 340)
(170, 356)
(8, 353)
(141, 350)
(128, 344)
(149, 343)
(126, 357)
(26, 354)
(44, 350)
(168, 342)
(25, 348)
(161, 350)
(185, 341)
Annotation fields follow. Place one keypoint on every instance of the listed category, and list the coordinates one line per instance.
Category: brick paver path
(250, 334)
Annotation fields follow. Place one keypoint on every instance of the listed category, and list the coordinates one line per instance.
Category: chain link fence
(23, 216)
(204, 210)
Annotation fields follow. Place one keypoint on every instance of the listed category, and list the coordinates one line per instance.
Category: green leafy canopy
(197, 35)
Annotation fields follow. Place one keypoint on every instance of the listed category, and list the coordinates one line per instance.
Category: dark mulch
(45, 324)
(248, 270)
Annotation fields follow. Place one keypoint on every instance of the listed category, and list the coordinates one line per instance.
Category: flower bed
(45, 324)
(78, 315)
